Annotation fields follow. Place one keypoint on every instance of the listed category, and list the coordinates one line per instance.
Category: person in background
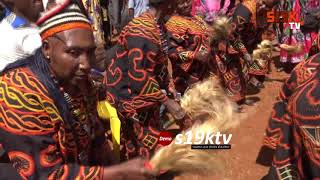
(20, 35)
(246, 19)
(189, 46)
(106, 24)
(135, 77)
(125, 18)
(94, 12)
(315, 46)
(137, 7)
(231, 59)
(248, 26)
(209, 9)
(48, 117)
(115, 16)
(189, 53)
(311, 24)
(296, 37)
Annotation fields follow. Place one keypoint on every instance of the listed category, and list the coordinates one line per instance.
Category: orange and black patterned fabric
(231, 68)
(188, 36)
(259, 67)
(134, 79)
(39, 142)
(315, 46)
(291, 145)
(245, 23)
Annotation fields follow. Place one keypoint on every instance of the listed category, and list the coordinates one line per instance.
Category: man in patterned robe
(291, 144)
(135, 76)
(249, 19)
(189, 46)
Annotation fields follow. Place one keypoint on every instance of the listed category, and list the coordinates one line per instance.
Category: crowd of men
(60, 58)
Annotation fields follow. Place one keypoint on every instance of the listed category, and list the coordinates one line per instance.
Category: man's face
(30, 9)
(71, 53)
(184, 7)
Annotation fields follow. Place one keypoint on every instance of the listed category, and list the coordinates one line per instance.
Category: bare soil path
(247, 139)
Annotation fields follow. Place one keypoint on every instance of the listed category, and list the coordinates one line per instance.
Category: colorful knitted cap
(64, 15)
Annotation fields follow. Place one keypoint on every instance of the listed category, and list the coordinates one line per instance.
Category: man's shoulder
(23, 81)
(144, 27)
(178, 24)
(17, 76)
(5, 24)
(306, 70)
(311, 62)
(20, 42)
(181, 25)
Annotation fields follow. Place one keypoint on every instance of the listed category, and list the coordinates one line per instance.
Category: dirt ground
(247, 139)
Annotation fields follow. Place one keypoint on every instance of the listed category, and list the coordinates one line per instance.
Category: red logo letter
(292, 16)
(270, 16)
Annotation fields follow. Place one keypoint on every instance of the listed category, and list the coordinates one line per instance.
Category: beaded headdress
(64, 15)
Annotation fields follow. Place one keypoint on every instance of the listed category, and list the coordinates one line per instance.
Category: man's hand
(130, 170)
(172, 89)
(248, 58)
(202, 56)
(175, 109)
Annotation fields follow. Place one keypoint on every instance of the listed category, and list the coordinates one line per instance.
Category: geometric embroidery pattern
(287, 172)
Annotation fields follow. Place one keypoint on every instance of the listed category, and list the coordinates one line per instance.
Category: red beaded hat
(64, 15)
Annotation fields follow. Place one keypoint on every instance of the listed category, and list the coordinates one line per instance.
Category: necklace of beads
(163, 38)
(82, 117)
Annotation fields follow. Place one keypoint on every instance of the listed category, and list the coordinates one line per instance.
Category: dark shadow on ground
(255, 99)
(252, 90)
